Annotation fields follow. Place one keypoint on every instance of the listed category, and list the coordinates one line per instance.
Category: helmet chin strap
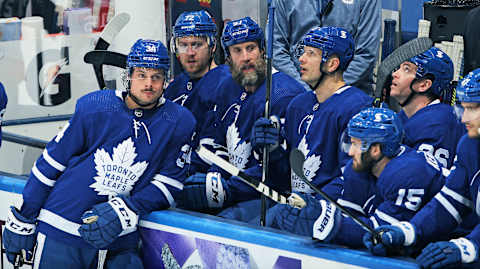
(411, 95)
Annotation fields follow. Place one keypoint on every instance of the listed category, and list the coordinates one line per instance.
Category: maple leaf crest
(238, 152)
(312, 162)
(118, 174)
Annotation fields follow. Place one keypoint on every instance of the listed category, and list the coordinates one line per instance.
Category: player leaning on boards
(418, 85)
(243, 102)
(458, 198)
(403, 180)
(194, 43)
(121, 156)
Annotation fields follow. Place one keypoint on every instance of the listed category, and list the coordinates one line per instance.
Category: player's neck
(328, 86)
(418, 102)
(378, 167)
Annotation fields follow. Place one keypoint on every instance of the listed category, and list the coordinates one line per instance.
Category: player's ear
(424, 85)
(376, 150)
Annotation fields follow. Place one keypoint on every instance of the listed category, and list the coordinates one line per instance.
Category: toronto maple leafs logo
(238, 151)
(310, 168)
(118, 174)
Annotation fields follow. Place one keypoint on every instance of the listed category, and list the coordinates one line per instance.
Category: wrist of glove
(328, 223)
(19, 236)
(390, 236)
(107, 221)
(454, 252)
(204, 191)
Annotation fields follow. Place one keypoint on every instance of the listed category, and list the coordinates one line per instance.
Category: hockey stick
(392, 61)
(105, 57)
(296, 162)
(294, 200)
(268, 91)
(113, 27)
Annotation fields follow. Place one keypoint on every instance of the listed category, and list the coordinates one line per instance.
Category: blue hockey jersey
(199, 96)
(456, 200)
(318, 130)
(106, 150)
(3, 106)
(407, 183)
(236, 117)
(434, 129)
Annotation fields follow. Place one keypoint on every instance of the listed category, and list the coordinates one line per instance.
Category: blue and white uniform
(318, 130)
(95, 158)
(434, 129)
(200, 96)
(457, 199)
(235, 122)
(407, 183)
(3, 106)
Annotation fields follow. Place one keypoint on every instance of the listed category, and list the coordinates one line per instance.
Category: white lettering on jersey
(310, 167)
(238, 151)
(185, 157)
(117, 174)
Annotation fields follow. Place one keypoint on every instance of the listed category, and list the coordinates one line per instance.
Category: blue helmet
(377, 125)
(468, 89)
(436, 63)
(195, 23)
(240, 31)
(150, 54)
(332, 41)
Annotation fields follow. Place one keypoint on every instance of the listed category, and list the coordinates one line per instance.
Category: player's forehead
(317, 50)
(355, 140)
(146, 70)
(470, 105)
(409, 65)
(247, 44)
(191, 39)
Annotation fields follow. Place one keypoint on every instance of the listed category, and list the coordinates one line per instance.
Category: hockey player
(404, 180)
(121, 156)
(243, 98)
(316, 120)
(458, 198)
(418, 85)
(194, 42)
(3, 107)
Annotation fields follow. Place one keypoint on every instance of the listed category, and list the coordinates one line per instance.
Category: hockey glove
(104, 223)
(442, 254)
(265, 132)
(318, 219)
(392, 236)
(204, 191)
(18, 236)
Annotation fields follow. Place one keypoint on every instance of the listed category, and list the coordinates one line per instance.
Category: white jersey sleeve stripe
(459, 198)
(165, 192)
(385, 217)
(168, 180)
(374, 221)
(52, 162)
(45, 180)
(351, 205)
(449, 207)
(66, 225)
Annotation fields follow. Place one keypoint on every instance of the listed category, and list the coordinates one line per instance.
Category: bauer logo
(117, 174)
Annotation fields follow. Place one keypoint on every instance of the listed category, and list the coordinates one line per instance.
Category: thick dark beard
(367, 163)
(252, 79)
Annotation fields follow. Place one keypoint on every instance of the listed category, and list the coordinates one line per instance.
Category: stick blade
(114, 26)
(296, 162)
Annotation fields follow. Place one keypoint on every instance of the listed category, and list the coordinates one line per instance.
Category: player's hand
(204, 191)
(304, 221)
(442, 254)
(106, 221)
(390, 236)
(265, 132)
(19, 237)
